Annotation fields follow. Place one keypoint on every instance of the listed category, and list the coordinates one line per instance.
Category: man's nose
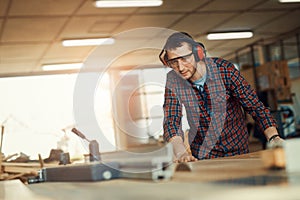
(180, 65)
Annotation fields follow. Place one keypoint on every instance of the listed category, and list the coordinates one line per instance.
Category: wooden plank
(273, 158)
(9, 167)
(15, 189)
(222, 169)
(199, 182)
(174, 189)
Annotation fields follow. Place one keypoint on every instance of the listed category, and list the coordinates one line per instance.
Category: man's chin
(186, 76)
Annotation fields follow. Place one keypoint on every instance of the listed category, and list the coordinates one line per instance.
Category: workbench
(239, 177)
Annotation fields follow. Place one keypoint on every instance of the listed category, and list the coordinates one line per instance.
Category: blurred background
(37, 92)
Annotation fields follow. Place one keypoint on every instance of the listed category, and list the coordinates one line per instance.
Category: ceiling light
(229, 35)
(127, 3)
(69, 66)
(88, 42)
(289, 1)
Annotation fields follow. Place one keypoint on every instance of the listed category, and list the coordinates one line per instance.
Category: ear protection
(163, 57)
(198, 50)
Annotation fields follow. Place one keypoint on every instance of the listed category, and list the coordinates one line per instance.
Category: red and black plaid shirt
(215, 116)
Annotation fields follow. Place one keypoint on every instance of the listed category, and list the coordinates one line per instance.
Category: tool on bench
(283, 156)
(93, 146)
(154, 165)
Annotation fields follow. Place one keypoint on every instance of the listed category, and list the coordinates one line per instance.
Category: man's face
(182, 60)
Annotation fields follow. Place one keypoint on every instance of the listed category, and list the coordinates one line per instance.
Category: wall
(296, 90)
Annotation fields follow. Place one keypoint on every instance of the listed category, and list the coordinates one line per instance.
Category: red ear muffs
(163, 57)
(198, 53)
(197, 49)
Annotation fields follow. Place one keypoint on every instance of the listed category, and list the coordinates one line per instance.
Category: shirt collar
(200, 81)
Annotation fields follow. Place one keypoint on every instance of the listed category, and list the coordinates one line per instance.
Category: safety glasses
(173, 63)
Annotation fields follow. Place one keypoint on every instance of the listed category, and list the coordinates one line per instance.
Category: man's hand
(273, 137)
(276, 142)
(180, 152)
(185, 158)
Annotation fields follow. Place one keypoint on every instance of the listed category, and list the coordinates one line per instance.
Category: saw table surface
(238, 177)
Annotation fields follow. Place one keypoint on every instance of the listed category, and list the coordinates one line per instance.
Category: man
(213, 93)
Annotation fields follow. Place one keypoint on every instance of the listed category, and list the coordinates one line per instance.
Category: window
(245, 59)
(291, 55)
(152, 97)
(275, 51)
(258, 56)
(37, 113)
(143, 100)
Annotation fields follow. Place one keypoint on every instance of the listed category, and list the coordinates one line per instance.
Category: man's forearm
(269, 132)
(273, 136)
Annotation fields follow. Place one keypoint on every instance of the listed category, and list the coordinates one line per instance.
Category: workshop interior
(82, 94)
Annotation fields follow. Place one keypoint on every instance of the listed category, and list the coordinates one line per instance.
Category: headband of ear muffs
(198, 50)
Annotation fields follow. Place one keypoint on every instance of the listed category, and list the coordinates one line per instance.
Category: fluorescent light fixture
(289, 1)
(69, 66)
(229, 35)
(127, 3)
(88, 42)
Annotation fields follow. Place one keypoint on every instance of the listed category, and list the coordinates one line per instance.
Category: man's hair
(176, 39)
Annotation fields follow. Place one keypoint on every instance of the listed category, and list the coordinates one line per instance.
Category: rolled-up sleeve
(249, 100)
(172, 114)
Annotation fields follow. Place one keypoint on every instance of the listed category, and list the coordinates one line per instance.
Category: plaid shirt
(215, 115)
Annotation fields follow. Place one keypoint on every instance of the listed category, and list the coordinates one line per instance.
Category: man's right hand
(180, 152)
(185, 158)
